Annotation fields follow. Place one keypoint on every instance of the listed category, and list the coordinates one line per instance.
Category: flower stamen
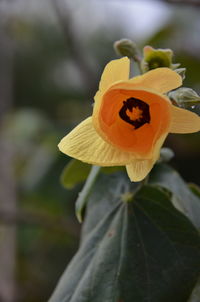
(135, 112)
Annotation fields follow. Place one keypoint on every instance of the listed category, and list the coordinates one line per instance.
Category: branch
(195, 3)
(39, 220)
(76, 49)
(184, 2)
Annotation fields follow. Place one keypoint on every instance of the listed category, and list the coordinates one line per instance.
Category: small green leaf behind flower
(74, 172)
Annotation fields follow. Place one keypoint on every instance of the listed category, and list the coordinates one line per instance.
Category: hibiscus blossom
(130, 121)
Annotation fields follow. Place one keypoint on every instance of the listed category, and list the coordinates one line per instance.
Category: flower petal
(122, 135)
(138, 169)
(160, 79)
(84, 143)
(184, 121)
(115, 70)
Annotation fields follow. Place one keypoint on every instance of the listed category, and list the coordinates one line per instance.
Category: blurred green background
(52, 54)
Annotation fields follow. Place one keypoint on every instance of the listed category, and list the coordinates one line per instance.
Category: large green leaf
(139, 251)
(183, 197)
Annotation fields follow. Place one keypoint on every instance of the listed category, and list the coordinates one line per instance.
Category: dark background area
(52, 54)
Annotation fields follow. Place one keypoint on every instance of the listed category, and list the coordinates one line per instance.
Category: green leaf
(183, 198)
(110, 170)
(77, 171)
(195, 297)
(74, 172)
(195, 189)
(144, 250)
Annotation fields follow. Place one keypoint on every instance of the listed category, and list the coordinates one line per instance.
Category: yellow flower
(130, 121)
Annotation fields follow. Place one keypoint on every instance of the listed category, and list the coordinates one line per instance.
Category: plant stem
(137, 59)
(83, 195)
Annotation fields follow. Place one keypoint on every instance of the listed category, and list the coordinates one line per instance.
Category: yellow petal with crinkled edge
(115, 70)
(138, 169)
(184, 121)
(84, 143)
(161, 80)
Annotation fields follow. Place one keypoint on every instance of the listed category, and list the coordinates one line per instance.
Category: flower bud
(166, 154)
(126, 47)
(184, 97)
(155, 58)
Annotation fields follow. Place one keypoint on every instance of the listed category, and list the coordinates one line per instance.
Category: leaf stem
(83, 195)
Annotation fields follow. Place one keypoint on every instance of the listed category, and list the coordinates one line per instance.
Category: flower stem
(137, 60)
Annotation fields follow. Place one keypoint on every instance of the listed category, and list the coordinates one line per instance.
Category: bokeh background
(52, 53)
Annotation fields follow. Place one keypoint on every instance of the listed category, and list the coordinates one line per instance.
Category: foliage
(139, 250)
